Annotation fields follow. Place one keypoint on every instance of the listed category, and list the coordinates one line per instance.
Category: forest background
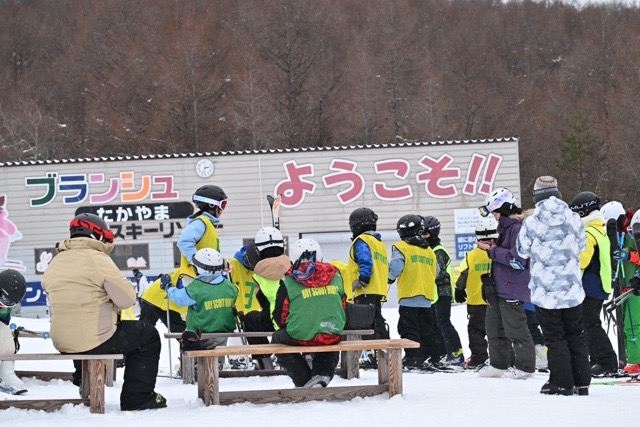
(117, 77)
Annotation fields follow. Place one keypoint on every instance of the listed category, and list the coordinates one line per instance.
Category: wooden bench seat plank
(286, 349)
(300, 395)
(47, 405)
(46, 375)
(260, 334)
(53, 356)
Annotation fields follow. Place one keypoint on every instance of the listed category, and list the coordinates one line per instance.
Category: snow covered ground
(441, 399)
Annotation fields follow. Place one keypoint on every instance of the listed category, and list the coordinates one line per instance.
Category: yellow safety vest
(348, 277)
(242, 277)
(156, 296)
(419, 274)
(479, 263)
(378, 283)
(604, 248)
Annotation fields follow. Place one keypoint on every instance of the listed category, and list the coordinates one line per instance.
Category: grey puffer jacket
(552, 238)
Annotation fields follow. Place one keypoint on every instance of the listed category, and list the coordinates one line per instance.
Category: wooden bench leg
(208, 380)
(97, 371)
(110, 374)
(85, 381)
(188, 370)
(383, 367)
(395, 372)
(350, 361)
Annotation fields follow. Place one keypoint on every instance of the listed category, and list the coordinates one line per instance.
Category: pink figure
(8, 230)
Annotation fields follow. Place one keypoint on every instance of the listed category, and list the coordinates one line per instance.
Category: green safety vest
(213, 310)
(604, 256)
(314, 311)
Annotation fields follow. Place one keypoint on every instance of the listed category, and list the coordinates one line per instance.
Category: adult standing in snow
(552, 239)
(595, 262)
(12, 289)
(85, 290)
(506, 320)
(200, 232)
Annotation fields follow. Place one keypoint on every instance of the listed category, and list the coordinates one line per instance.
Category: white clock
(204, 168)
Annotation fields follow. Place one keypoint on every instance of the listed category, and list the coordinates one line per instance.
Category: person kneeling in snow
(210, 299)
(309, 310)
(12, 289)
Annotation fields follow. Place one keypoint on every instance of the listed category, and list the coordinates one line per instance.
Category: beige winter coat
(85, 289)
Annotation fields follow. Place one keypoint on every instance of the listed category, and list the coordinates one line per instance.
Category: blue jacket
(191, 235)
(363, 257)
(509, 270)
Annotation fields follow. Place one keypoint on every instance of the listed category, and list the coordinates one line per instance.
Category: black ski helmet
(12, 287)
(431, 225)
(90, 225)
(584, 203)
(361, 220)
(409, 225)
(210, 197)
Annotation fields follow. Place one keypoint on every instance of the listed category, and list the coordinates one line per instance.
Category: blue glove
(620, 255)
(165, 281)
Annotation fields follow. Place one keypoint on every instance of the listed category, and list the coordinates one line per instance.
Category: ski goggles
(484, 211)
(222, 204)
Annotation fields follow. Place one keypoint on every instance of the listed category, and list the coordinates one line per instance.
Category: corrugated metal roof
(402, 142)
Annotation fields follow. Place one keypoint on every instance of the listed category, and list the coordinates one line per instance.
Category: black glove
(165, 281)
(460, 295)
(635, 284)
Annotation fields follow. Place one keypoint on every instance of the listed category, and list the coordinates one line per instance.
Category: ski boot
(542, 365)
(599, 371)
(491, 372)
(368, 360)
(474, 364)
(453, 359)
(549, 388)
(317, 381)
(632, 369)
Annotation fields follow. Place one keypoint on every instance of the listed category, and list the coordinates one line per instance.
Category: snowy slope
(440, 399)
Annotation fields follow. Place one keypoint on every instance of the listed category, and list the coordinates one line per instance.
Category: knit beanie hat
(545, 187)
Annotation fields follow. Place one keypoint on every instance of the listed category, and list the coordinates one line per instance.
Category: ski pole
(20, 329)
(615, 303)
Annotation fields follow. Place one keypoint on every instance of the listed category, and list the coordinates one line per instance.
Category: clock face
(204, 168)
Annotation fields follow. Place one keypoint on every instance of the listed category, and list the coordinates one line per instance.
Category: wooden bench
(94, 374)
(349, 360)
(389, 353)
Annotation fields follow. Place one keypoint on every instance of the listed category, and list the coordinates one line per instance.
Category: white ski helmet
(298, 249)
(498, 198)
(208, 261)
(487, 228)
(612, 210)
(635, 218)
(268, 237)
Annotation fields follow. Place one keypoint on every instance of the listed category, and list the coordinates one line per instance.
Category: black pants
(419, 324)
(380, 327)
(600, 348)
(449, 335)
(477, 333)
(534, 327)
(296, 365)
(567, 353)
(506, 325)
(139, 342)
(151, 314)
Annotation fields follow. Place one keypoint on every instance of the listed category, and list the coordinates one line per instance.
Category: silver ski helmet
(208, 261)
(487, 228)
(269, 242)
(305, 249)
(612, 210)
(13, 286)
